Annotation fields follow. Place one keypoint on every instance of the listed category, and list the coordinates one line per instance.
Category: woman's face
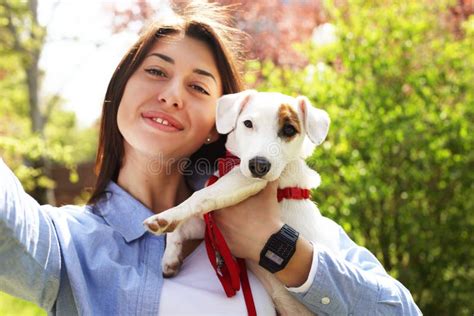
(168, 106)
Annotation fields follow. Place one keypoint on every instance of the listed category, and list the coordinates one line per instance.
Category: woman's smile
(162, 121)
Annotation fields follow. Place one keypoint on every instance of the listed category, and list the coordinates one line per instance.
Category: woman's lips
(162, 121)
(160, 126)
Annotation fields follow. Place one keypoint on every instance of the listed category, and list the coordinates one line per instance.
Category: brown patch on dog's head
(289, 125)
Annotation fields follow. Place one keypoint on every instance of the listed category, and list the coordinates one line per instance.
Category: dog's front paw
(173, 255)
(171, 268)
(159, 225)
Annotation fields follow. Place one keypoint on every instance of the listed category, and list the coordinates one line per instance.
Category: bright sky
(74, 65)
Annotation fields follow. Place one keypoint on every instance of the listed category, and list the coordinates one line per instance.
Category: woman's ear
(228, 109)
(316, 121)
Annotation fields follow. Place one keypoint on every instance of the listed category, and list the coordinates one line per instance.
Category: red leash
(233, 272)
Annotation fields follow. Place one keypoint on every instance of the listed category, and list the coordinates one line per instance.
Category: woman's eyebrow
(204, 73)
(171, 61)
(164, 57)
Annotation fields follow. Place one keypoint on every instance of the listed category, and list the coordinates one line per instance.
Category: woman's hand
(248, 225)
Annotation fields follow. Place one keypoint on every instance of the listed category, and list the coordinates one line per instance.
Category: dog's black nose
(259, 166)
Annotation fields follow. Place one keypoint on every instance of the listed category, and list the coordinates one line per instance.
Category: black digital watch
(279, 249)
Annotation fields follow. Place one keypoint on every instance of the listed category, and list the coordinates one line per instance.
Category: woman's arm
(352, 282)
(29, 250)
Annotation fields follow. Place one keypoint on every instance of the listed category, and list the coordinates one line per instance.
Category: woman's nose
(170, 96)
(169, 101)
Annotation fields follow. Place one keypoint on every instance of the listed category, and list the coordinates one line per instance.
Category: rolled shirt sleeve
(30, 259)
(352, 283)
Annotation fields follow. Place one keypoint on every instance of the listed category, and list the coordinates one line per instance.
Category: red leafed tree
(273, 25)
(458, 13)
(137, 11)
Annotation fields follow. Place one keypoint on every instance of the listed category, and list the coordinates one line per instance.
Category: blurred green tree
(397, 167)
(34, 132)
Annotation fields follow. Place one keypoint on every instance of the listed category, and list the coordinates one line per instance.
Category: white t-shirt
(196, 290)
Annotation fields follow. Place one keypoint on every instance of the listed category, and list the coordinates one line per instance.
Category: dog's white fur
(287, 165)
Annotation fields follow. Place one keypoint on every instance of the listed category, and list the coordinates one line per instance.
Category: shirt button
(325, 300)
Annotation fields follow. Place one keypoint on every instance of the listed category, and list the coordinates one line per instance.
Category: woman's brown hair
(201, 20)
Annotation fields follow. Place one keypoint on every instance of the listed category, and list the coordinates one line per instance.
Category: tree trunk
(42, 195)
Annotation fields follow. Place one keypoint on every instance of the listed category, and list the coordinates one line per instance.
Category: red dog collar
(293, 194)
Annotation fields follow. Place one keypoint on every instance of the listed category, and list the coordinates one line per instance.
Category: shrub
(398, 164)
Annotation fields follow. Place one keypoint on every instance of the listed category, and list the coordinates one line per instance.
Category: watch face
(273, 257)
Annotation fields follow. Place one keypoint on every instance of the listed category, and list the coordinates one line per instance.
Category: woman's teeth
(161, 121)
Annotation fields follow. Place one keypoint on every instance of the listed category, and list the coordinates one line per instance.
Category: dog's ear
(316, 121)
(228, 109)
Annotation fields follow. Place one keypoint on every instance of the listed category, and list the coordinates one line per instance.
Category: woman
(159, 110)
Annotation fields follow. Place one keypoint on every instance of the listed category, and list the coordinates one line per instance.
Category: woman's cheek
(121, 119)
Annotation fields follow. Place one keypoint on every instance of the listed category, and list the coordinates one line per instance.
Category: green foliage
(10, 306)
(60, 141)
(397, 166)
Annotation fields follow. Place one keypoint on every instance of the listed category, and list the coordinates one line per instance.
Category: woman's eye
(155, 72)
(199, 89)
(248, 123)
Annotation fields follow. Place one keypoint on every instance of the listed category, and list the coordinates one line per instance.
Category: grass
(11, 306)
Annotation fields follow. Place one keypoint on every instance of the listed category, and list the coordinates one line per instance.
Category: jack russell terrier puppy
(272, 134)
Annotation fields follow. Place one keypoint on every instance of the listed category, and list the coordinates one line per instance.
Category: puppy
(278, 131)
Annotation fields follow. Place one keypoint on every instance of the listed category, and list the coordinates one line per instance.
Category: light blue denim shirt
(100, 261)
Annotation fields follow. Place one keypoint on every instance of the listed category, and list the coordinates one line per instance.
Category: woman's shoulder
(74, 215)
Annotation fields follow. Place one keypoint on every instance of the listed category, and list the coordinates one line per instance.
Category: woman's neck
(156, 184)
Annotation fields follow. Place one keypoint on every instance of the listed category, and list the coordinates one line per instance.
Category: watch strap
(279, 249)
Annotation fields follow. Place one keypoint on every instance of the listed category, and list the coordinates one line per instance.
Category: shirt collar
(123, 212)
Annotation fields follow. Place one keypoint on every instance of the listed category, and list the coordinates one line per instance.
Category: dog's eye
(248, 123)
(289, 130)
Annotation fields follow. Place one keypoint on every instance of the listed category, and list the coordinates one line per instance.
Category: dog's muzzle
(259, 166)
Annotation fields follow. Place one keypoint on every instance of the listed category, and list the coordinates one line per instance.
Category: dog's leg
(229, 190)
(173, 256)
